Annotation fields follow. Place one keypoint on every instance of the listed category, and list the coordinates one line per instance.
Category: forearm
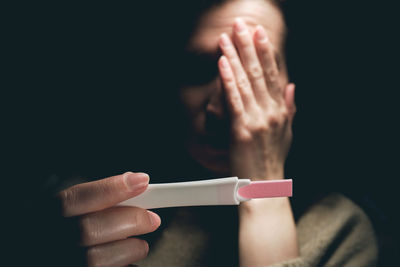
(267, 232)
(261, 108)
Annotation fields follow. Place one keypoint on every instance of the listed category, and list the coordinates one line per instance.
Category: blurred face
(203, 98)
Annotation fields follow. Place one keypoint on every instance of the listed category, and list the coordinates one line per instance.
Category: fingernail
(146, 247)
(136, 181)
(240, 26)
(261, 34)
(291, 86)
(154, 219)
(225, 40)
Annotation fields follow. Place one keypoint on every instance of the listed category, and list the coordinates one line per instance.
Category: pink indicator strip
(264, 189)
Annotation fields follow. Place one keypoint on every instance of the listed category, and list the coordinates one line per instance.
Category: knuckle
(255, 72)
(244, 136)
(111, 186)
(123, 182)
(236, 99)
(272, 74)
(285, 114)
(260, 129)
(136, 219)
(273, 121)
(230, 82)
(242, 83)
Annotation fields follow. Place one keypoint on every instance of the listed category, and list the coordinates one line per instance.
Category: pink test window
(264, 189)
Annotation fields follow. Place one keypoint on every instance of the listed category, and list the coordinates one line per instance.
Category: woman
(239, 123)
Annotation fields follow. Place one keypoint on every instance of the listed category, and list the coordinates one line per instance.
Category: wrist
(272, 171)
(278, 236)
(264, 207)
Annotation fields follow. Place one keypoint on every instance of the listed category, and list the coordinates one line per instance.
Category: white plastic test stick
(223, 191)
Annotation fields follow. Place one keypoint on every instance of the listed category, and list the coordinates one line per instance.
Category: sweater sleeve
(335, 232)
(332, 232)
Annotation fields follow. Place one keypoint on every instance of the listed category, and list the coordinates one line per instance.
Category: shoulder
(336, 231)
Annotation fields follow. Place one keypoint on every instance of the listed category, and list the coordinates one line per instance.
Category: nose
(216, 103)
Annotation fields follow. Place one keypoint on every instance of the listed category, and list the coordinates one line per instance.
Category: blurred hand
(261, 107)
(105, 230)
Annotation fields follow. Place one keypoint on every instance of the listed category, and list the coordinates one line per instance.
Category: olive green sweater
(332, 232)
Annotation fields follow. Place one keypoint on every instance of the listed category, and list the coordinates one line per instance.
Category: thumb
(93, 196)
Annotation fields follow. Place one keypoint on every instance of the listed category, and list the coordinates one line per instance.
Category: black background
(88, 91)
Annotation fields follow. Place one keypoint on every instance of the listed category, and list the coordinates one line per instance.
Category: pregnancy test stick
(223, 191)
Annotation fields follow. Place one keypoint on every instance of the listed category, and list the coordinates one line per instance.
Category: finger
(242, 82)
(118, 253)
(98, 195)
(116, 223)
(265, 53)
(233, 99)
(289, 100)
(248, 55)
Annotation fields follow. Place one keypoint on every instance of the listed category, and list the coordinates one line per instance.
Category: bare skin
(106, 230)
(251, 92)
(261, 115)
